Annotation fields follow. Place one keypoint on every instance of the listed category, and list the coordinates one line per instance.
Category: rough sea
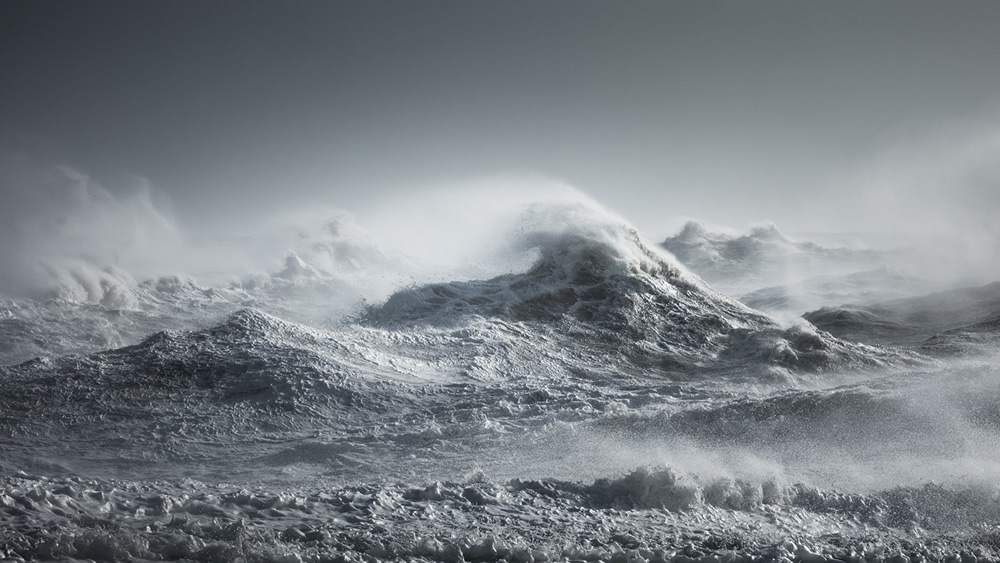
(713, 399)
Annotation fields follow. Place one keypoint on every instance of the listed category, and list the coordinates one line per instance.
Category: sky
(819, 116)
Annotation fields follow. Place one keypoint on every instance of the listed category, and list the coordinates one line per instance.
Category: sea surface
(715, 398)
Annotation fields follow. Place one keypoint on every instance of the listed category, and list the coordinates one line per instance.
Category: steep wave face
(602, 404)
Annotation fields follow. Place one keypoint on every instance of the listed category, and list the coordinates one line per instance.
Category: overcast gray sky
(731, 111)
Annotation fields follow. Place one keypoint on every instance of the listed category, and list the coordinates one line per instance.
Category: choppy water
(603, 404)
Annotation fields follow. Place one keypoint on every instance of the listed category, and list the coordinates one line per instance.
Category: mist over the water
(62, 231)
(938, 193)
(66, 235)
